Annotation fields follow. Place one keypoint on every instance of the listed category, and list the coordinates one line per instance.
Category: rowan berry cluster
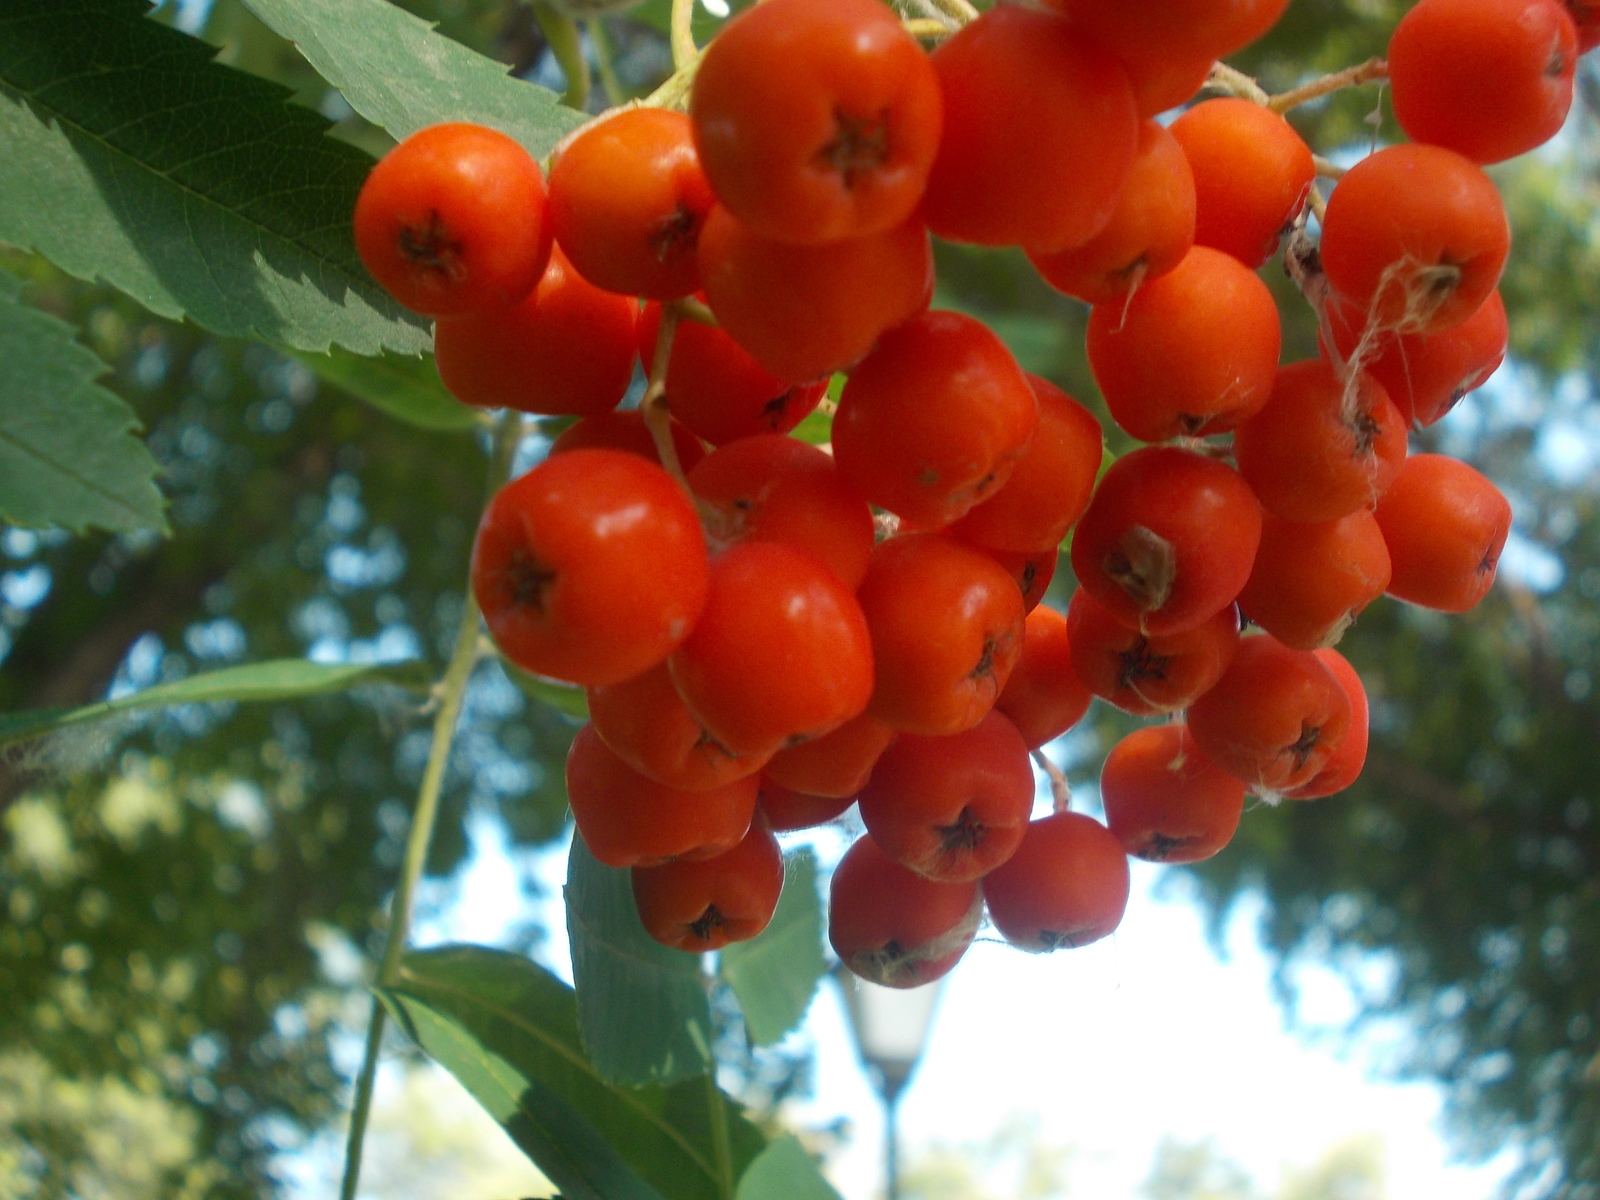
(769, 631)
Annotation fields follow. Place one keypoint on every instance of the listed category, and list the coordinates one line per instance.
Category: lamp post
(891, 1028)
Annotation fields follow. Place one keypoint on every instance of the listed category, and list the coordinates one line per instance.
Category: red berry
(804, 312)
(775, 489)
(624, 429)
(1426, 374)
(1274, 718)
(646, 724)
(893, 927)
(1168, 539)
(1311, 581)
(1166, 801)
(565, 349)
(1044, 698)
(1415, 238)
(1150, 231)
(780, 654)
(1252, 174)
(1341, 770)
(1445, 525)
(629, 820)
(555, 567)
(951, 808)
(1323, 445)
(453, 221)
(717, 390)
(1031, 571)
(947, 626)
(1189, 354)
(1489, 79)
(1049, 487)
(1040, 130)
(934, 419)
(836, 764)
(787, 810)
(1148, 675)
(704, 905)
(627, 199)
(1066, 886)
(817, 120)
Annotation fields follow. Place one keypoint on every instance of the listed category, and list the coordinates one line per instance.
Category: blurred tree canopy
(1351, 1169)
(191, 895)
(1467, 855)
(1016, 1162)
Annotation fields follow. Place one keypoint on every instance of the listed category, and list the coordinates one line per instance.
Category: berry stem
(561, 32)
(674, 93)
(1060, 789)
(926, 28)
(1317, 203)
(1233, 82)
(609, 83)
(690, 309)
(959, 11)
(1328, 169)
(657, 416)
(684, 50)
(450, 692)
(1367, 72)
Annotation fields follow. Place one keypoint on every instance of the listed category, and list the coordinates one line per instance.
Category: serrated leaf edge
(94, 369)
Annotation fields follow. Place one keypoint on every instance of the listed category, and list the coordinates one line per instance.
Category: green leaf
(399, 74)
(566, 1148)
(198, 190)
(278, 679)
(1038, 342)
(816, 427)
(784, 1171)
(68, 454)
(775, 975)
(510, 1011)
(407, 388)
(565, 698)
(642, 1007)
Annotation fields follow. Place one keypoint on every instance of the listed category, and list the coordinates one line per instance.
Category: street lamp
(891, 1029)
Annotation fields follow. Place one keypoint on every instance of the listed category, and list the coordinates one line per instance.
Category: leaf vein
(571, 1056)
(76, 476)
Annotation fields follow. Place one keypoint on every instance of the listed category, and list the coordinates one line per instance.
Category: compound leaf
(784, 1171)
(68, 454)
(198, 190)
(564, 1146)
(515, 1045)
(775, 975)
(398, 73)
(277, 679)
(642, 1007)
